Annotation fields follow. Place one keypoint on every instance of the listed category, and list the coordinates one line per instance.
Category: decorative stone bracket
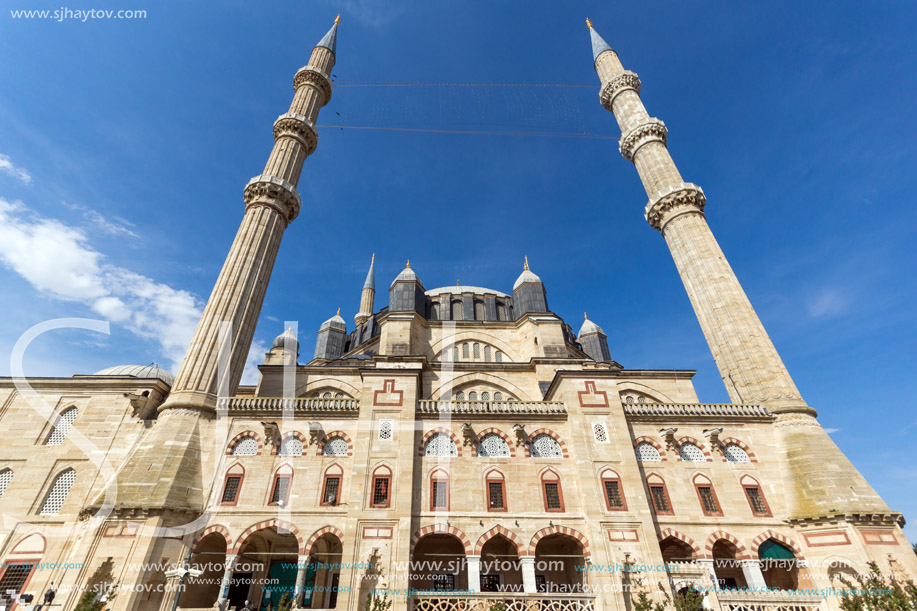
(310, 75)
(624, 81)
(273, 192)
(674, 201)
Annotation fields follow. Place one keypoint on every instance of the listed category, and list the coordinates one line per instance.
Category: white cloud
(8, 167)
(105, 225)
(826, 302)
(829, 431)
(59, 260)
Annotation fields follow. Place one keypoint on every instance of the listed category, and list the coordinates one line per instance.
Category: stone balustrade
(511, 602)
(512, 408)
(771, 600)
(696, 410)
(237, 405)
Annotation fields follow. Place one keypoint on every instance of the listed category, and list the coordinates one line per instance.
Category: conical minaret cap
(330, 40)
(335, 322)
(599, 45)
(371, 275)
(526, 276)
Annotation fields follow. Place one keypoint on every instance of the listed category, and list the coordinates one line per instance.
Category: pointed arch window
(6, 476)
(280, 491)
(755, 497)
(496, 491)
(381, 487)
(707, 496)
(551, 491)
(614, 493)
(232, 485)
(439, 491)
(659, 495)
(62, 427)
(58, 493)
(331, 486)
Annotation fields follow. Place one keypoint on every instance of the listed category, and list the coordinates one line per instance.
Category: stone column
(751, 569)
(708, 563)
(228, 568)
(528, 574)
(301, 570)
(474, 574)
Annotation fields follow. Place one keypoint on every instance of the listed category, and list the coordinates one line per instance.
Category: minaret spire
(271, 204)
(750, 366)
(367, 296)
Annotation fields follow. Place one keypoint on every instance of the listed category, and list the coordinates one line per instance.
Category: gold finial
(457, 283)
(585, 316)
(588, 23)
(373, 260)
(339, 312)
(408, 266)
(526, 266)
(337, 20)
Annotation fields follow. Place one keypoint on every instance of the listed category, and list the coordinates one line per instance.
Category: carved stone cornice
(652, 131)
(265, 190)
(310, 75)
(674, 201)
(610, 90)
(298, 127)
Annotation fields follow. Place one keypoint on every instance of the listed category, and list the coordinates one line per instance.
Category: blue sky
(125, 144)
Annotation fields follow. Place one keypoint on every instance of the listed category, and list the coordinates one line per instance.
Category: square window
(330, 494)
(552, 501)
(660, 499)
(613, 497)
(231, 489)
(381, 491)
(443, 583)
(490, 582)
(495, 496)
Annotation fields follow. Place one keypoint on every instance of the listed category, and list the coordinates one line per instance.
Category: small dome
(407, 275)
(525, 277)
(289, 338)
(152, 372)
(589, 328)
(335, 322)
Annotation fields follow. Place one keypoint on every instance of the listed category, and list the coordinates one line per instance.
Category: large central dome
(462, 290)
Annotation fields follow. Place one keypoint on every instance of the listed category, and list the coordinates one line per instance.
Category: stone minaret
(171, 454)
(368, 295)
(819, 478)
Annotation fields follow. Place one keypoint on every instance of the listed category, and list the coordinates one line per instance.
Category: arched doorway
(209, 556)
(778, 565)
(323, 574)
(729, 574)
(438, 564)
(266, 569)
(559, 565)
(675, 550)
(500, 568)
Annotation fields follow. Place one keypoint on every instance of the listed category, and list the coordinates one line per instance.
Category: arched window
(465, 354)
(447, 355)
(338, 395)
(291, 446)
(58, 493)
(755, 497)
(707, 496)
(478, 310)
(691, 453)
(62, 427)
(326, 395)
(439, 490)
(498, 396)
(455, 353)
(6, 476)
(434, 311)
(485, 396)
(331, 485)
(459, 396)
(477, 351)
(492, 446)
(440, 444)
(247, 446)
(629, 399)
(487, 354)
(659, 495)
(496, 491)
(551, 491)
(232, 485)
(734, 453)
(473, 396)
(614, 493)
(499, 357)
(336, 446)
(501, 311)
(779, 567)
(457, 313)
(545, 446)
(280, 491)
(647, 452)
(381, 487)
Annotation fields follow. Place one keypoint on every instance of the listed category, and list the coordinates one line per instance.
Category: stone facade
(466, 430)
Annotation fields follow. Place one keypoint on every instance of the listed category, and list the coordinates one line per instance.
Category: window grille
(498, 396)
(707, 500)
(326, 395)
(330, 495)
(613, 493)
(495, 495)
(552, 495)
(629, 399)
(281, 489)
(477, 351)
(473, 396)
(459, 396)
(691, 453)
(492, 445)
(660, 499)
(231, 490)
(13, 580)
(58, 493)
(501, 311)
(439, 495)
(479, 310)
(457, 313)
(440, 444)
(499, 356)
(465, 351)
(487, 354)
(380, 491)
(455, 353)
(386, 430)
(291, 446)
(6, 476)
(756, 500)
(62, 427)
(600, 432)
(545, 446)
(336, 446)
(443, 582)
(646, 452)
(490, 582)
(247, 446)
(641, 399)
(485, 396)
(734, 453)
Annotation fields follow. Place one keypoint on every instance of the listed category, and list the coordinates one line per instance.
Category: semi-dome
(288, 338)
(152, 372)
(335, 322)
(589, 328)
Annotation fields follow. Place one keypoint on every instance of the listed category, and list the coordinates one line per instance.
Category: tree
(686, 599)
(878, 592)
(377, 602)
(95, 600)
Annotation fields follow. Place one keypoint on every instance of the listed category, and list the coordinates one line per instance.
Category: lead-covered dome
(287, 338)
(153, 372)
